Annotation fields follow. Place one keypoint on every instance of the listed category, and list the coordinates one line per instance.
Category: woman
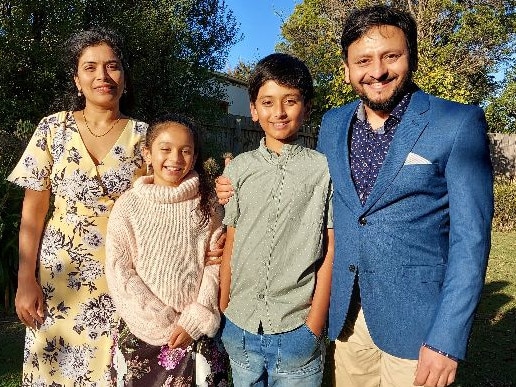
(86, 158)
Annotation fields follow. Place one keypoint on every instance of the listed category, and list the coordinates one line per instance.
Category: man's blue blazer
(421, 241)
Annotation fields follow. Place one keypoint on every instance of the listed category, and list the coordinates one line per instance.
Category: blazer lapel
(413, 123)
(343, 181)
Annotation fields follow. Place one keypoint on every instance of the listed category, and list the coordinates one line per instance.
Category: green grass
(12, 335)
(491, 357)
(492, 349)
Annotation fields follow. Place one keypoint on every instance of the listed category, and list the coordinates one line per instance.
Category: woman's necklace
(103, 134)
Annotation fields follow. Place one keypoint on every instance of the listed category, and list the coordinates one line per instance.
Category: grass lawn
(492, 349)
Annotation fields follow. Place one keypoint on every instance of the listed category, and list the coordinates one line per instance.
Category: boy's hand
(214, 257)
(224, 189)
(179, 338)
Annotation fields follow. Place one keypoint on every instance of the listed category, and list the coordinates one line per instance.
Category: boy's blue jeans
(294, 358)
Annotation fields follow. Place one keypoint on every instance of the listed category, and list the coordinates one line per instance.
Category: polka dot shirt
(369, 147)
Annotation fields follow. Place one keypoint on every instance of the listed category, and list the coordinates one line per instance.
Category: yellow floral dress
(73, 345)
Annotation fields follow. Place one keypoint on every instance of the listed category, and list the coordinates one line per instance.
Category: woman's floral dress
(73, 345)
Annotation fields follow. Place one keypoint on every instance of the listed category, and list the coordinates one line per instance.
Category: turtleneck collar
(188, 189)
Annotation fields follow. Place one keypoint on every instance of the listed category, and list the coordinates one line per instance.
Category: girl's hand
(179, 338)
(29, 303)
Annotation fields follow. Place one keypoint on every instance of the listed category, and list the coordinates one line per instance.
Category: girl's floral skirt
(136, 363)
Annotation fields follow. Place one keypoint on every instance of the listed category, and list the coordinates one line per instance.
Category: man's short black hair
(360, 21)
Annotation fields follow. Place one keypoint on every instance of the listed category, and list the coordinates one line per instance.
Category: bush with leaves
(505, 205)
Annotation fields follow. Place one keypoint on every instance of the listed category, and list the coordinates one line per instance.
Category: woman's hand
(29, 303)
(179, 338)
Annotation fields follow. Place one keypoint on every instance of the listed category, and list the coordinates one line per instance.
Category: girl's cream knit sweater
(155, 253)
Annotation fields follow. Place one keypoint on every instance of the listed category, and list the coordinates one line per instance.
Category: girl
(158, 235)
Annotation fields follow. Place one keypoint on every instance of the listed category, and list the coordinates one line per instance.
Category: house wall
(238, 100)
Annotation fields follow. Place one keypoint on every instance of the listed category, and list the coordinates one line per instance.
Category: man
(413, 205)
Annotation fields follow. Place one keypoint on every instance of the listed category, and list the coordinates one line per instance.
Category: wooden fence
(503, 154)
(237, 134)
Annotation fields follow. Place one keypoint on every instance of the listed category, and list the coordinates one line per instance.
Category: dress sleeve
(35, 165)
(147, 317)
(202, 317)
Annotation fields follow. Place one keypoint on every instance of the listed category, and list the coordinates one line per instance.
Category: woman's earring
(79, 93)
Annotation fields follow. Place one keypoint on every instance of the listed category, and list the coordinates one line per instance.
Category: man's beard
(389, 104)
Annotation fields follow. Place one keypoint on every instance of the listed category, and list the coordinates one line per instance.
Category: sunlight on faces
(172, 154)
(100, 75)
(378, 67)
(280, 111)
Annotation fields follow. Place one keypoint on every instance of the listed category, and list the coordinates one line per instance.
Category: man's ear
(346, 72)
(254, 112)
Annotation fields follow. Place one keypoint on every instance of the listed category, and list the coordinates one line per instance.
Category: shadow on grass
(12, 335)
(491, 358)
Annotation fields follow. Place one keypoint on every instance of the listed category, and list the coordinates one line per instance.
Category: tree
(173, 46)
(460, 44)
(501, 109)
(241, 71)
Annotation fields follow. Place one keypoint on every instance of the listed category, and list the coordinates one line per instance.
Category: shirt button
(362, 221)
(352, 268)
(261, 296)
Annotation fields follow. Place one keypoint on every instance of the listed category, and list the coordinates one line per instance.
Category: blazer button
(352, 268)
(362, 221)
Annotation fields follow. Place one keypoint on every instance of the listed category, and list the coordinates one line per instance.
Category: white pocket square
(414, 158)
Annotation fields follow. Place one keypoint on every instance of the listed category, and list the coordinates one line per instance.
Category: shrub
(505, 205)
(10, 206)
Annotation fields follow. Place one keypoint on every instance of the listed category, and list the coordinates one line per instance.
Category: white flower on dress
(73, 361)
(52, 243)
(94, 239)
(58, 147)
(29, 162)
(29, 342)
(95, 317)
(119, 152)
(118, 180)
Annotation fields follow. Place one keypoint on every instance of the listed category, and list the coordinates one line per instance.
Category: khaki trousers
(358, 362)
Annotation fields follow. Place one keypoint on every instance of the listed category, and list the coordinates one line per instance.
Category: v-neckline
(101, 161)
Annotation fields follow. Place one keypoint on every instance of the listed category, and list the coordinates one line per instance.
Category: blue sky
(260, 22)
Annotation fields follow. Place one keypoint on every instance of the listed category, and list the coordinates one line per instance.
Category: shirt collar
(287, 151)
(396, 113)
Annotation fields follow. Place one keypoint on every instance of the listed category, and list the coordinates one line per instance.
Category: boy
(276, 267)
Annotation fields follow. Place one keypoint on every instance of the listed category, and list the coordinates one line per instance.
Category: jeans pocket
(233, 339)
(298, 349)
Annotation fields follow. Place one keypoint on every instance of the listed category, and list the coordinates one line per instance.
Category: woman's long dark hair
(205, 188)
(73, 50)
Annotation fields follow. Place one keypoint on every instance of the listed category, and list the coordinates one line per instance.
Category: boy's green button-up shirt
(280, 210)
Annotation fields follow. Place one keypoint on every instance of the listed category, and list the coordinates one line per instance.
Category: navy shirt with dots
(369, 147)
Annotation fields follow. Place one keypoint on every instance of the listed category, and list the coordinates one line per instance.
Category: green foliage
(172, 45)
(10, 207)
(241, 71)
(460, 44)
(501, 109)
(505, 205)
